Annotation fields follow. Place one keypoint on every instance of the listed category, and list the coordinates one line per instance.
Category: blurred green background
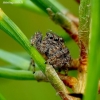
(30, 22)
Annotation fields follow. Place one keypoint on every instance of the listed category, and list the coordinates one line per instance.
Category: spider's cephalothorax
(53, 49)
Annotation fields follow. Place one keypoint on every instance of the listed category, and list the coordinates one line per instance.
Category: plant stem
(44, 4)
(68, 80)
(57, 83)
(84, 20)
(14, 59)
(94, 53)
(75, 64)
(65, 23)
(21, 75)
(58, 17)
(55, 6)
(84, 29)
(38, 76)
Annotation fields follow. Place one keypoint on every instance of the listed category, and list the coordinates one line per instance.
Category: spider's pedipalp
(36, 39)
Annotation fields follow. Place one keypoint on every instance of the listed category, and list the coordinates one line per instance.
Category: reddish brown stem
(83, 54)
(67, 80)
(66, 23)
(72, 31)
(75, 64)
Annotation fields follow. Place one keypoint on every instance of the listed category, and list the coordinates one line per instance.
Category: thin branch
(81, 83)
(57, 83)
(57, 16)
(68, 81)
(38, 76)
(22, 74)
(84, 20)
(65, 23)
(75, 64)
(14, 59)
(84, 29)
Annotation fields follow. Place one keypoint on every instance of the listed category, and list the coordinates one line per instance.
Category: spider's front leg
(35, 41)
(32, 63)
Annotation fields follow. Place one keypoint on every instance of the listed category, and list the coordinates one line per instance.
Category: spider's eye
(56, 39)
(49, 35)
(61, 40)
(65, 55)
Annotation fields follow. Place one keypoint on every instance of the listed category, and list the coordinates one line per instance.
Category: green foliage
(94, 54)
(84, 18)
(16, 74)
(14, 59)
(9, 27)
(44, 4)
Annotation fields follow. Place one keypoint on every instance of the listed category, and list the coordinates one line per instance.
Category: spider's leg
(66, 71)
(32, 64)
(59, 69)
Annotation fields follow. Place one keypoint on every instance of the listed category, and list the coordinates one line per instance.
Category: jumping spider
(53, 50)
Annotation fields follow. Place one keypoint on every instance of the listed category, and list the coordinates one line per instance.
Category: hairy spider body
(53, 49)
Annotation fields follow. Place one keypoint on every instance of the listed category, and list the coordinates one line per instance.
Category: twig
(83, 55)
(22, 74)
(14, 59)
(57, 83)
(38, 76)
(75, 64)
(57, 16)
(81, 83)
(84, 29)
(68, 81)
(65, 23)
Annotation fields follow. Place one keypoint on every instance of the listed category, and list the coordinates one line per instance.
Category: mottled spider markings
(53, 49)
